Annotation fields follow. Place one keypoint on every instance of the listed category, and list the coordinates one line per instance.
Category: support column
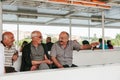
(17, 33)
(103, 20)
(1, 21)
(70, 28)
(89, 30)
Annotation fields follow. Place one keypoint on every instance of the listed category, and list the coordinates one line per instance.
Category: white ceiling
(42, 12)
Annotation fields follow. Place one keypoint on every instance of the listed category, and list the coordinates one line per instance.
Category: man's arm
(56, 62)
(15, 56)
(37, 62)
(84, 47)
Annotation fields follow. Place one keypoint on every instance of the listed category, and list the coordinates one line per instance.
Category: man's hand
(15, 57)
(48, 61)
(34, 67)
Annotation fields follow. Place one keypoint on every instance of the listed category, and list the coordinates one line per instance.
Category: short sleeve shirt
(8, 55)
(37, 53)
(64, 55)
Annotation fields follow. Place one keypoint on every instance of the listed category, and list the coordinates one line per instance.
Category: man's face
(63, 38)
(38, 38)
(9, 40)
(48, 40)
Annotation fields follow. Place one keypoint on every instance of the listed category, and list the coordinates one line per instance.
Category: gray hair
(65, 33)
(35, 33)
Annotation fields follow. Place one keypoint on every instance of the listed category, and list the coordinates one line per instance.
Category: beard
(61, 42)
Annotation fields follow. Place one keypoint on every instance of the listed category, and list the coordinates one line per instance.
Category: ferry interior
(93, 65)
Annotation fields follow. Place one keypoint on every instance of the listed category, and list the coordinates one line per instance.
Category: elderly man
(10, 52)
(34, 55)
(61, 52)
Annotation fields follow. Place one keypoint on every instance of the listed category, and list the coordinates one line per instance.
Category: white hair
(34, 33)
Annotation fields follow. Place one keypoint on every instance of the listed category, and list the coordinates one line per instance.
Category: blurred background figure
(23, 44)
(49, 43)
(101, 44)
(110, 46)
(86, 44)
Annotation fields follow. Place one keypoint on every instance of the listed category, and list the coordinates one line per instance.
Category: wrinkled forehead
(64, 35)
(36, 33)
(9, 35)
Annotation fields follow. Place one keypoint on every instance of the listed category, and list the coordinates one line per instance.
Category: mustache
(60, 41)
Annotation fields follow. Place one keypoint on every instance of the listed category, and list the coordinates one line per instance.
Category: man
(10, 52)
(34, 55)
(49, 43)
(86, 43)
(61, 52)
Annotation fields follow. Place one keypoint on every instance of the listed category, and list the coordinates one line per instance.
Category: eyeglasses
(39, 36)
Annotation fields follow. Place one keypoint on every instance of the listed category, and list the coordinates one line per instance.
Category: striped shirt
(8, 55)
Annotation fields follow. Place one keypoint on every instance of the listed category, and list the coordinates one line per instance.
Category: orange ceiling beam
(93, 3)
(98, 1)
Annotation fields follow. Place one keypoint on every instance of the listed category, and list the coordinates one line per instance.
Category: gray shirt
(37, 53)
(64, 55)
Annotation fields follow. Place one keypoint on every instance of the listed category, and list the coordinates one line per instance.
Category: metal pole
(17, 32)
(103, 19)
(89, 30)
(70, 28)
(1, 28)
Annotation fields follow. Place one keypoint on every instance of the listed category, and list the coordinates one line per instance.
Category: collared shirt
(8, 55)
(37, 53)
(64, 55)
(2, 59)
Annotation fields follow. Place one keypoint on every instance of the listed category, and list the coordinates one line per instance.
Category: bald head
(64, 33)
(8, 38)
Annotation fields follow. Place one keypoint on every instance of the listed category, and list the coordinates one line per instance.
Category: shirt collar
(3, 43)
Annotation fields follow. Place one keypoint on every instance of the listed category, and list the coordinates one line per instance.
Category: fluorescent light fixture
(27, 16)
(27, 11)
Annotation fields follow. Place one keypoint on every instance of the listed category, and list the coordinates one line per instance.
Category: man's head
(100, 40)
(63, 38)
(48, 39)
(36, 37)
(85, 42)
(8, 39)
